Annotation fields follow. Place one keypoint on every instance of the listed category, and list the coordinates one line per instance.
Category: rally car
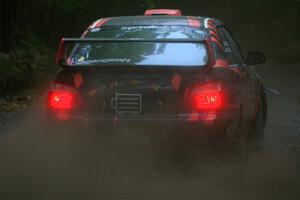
(159, 75)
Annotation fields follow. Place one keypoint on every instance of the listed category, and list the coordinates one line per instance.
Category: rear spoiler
(61, 57)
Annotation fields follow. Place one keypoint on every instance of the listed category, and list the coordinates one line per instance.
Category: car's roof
(207, 24)
(163, 20)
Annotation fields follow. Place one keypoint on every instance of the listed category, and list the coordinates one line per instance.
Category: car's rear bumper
(207, 117)
(187, 125)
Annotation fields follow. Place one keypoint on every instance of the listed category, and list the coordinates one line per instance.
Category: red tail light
(61, 100)
(62, 97)
(208, 100)
(208, 96)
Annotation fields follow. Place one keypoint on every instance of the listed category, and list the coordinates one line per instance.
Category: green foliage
(8, 70)
(25, 67)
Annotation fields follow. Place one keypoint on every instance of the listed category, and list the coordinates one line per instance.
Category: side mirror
(255, 58)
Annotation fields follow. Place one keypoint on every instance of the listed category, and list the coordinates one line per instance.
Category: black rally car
(161, 72)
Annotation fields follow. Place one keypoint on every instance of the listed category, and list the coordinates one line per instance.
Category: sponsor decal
(156, 87)
(81, 59)
(153, 27)
(104, 60)
(114, 85)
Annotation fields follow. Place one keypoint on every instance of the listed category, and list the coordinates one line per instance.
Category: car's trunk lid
(137, 92)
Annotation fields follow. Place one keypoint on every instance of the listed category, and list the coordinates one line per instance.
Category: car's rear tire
(256, 135)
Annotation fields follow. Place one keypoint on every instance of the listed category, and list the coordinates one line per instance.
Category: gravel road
(31, 169)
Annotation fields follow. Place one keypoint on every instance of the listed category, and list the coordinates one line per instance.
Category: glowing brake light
(208, 96)
(62, 97)
(208, 100)
(61, 100)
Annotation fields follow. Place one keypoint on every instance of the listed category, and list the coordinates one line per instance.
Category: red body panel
(163, 12)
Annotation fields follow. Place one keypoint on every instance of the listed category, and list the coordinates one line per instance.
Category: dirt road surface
(32, 168)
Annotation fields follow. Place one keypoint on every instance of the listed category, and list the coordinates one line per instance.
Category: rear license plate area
(127, 103)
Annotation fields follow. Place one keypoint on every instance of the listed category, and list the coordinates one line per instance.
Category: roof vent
(163, 12)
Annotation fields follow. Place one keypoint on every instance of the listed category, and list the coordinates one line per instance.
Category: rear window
(142, 53)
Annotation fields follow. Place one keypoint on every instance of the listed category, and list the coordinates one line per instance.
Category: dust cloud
(37, 164)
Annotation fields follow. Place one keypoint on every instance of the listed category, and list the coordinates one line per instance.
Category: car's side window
(231, 48)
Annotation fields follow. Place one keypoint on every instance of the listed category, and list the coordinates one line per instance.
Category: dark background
(30, 30)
